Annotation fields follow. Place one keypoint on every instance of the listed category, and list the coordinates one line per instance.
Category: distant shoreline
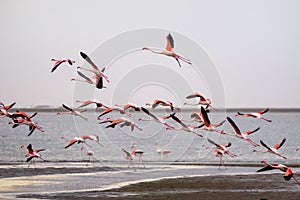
(60, 109)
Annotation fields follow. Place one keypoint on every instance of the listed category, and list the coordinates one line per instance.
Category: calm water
(184, 146)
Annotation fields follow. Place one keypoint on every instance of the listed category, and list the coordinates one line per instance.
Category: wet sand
(252, 186)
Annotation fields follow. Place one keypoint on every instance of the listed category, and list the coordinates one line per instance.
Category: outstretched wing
(204, 116)
(277, 146)
(170, 42)
(89, 60)
(66, 107)
(234, 126)
(178, 120)
(148, 113)
(263, 111)
(85, 77)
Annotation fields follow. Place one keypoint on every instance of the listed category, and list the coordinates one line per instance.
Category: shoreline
(208, 182)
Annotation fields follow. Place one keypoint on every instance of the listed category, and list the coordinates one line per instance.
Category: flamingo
(129, 157)
(93, 137)
(288, 172)
(130, 106)
(91, 101)
(164, 152)
(4, 109)
(202, 100)
(73, 112)
(110, 109)
(123, 122)
(98, 74)
(168, 51)
(184, 127)
(239, 134)
(222, 147)
(59, 62)
(74, 140)
(194, 118)
(160, 120)
(207, 125)
(157, 102)
(32, 125)
(255, 114)
(31, 154)
(137, 152)
(273, 149)
(90, 154)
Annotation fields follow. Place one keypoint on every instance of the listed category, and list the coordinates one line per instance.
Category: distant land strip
(189, 109)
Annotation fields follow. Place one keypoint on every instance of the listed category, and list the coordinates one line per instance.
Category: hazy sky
(255, 45)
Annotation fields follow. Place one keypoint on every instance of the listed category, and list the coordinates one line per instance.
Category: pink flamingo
(288, 172)
(91, 101)
(31, 154)
(168, 51)
(202, 100)
(239, 134)
(273, 149)
(123, 122)
(59, 62)
(207, 125)
(255, 114)
(161, 120)
(157, 102)
(98, 74)
(73, 112)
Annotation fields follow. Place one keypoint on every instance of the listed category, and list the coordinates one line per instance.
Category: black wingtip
(83, 55)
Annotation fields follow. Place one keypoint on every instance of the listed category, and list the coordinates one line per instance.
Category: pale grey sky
(255, 45)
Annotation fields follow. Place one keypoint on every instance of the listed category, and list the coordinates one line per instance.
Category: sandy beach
(244, 186)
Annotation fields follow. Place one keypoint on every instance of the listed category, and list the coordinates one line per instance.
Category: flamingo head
(73, 79)
(78, 67)
(140, 119)
(145, 48)
(222, 132)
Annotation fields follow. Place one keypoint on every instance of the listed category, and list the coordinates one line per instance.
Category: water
(185, 147)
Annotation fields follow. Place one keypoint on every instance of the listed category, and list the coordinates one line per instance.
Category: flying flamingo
(137, 152)
(91, 101)
(168, 51)
(207, 125)
(4, 109)
(184, 127)
(93, 137)
(130, 106)
(160, 120)
(73, 112)
(110, 109)
(222, 147)
(123, 122)
(98, 74)
(202, 100)
(59, 62)
(273, 150)
(239, 134)
(255, 114)
(74, 140)
(26, 121)
(157, 102)
(288, 172)
(31, 154)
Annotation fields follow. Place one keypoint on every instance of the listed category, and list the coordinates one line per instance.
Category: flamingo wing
(194, 95)
(204, 116)
(66, 107)
(107, 110)
(99, 83)
(178, 120)
(252, 131)
(56, 64)
(9, 106)
(89, 60)
(263, 111)
(212, 142)
(277, 146)
(234, 126)
(148, 113)
(170, 42)
(29, 148)
(266, 146)
(266, 168)
(73, 141)
(85, 77)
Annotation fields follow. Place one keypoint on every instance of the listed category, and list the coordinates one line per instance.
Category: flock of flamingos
(201, 117)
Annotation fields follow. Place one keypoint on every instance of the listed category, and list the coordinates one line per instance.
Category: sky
(253, 46)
